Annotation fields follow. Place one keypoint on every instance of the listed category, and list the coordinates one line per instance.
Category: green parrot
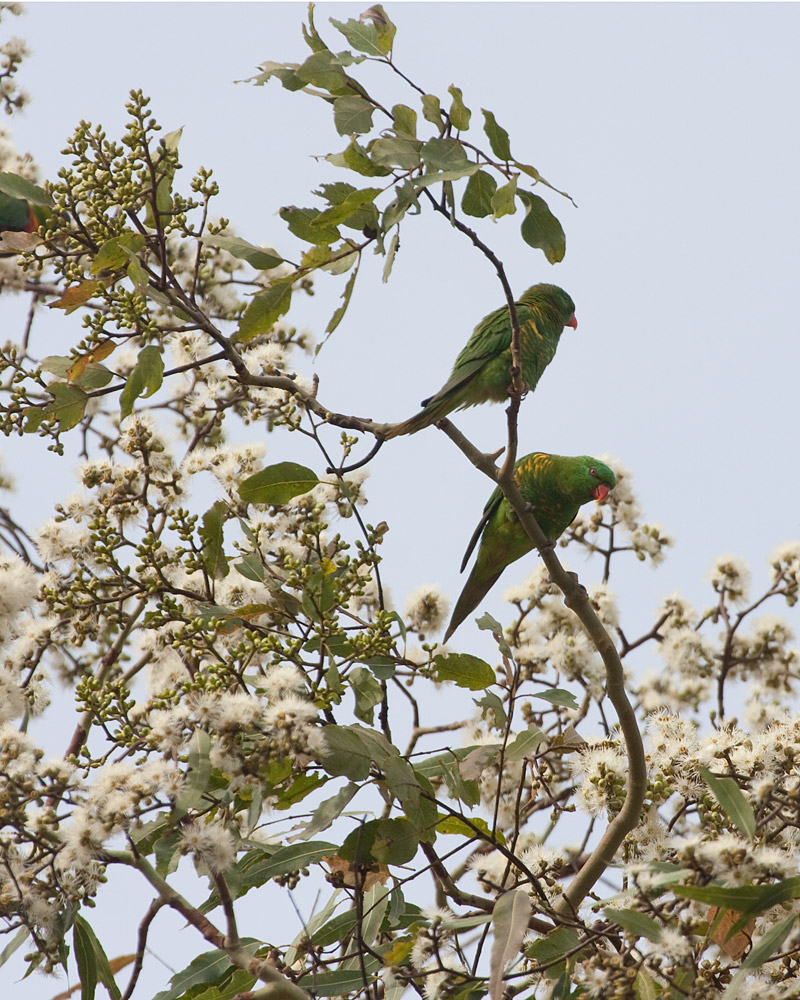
(481, 371)
(555, 486)
(19, 216)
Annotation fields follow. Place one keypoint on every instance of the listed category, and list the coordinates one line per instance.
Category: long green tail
(426, 416)
(471, 596)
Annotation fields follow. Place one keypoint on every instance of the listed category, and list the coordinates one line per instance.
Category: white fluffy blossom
(210, 843)
(730, 576)
(426, 609)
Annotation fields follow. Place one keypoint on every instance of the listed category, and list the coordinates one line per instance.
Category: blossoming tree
(247, 698)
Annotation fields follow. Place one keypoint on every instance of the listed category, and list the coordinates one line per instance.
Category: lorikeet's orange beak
(601, 492)
(572, 322)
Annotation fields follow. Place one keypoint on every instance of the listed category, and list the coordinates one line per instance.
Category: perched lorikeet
(19, 216)
(481, 371)
(556, 486)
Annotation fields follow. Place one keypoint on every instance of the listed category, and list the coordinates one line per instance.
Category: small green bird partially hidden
(556, 486)
(19, 216)
(481, 372)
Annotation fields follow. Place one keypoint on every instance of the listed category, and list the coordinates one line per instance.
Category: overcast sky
(673, 126)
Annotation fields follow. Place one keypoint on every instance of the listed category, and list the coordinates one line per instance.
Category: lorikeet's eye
(593, 472)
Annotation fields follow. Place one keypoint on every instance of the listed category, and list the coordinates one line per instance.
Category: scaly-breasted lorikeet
(556, 486)
(481, 372)
(19, 216)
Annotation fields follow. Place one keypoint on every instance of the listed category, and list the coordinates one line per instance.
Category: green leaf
(338, 315)
(432, 177)
(459, 114)
(635, 923)
(525, 743)
(211, 534)
(747, 900)
(491, 705)
(326, 812)
(251, 567)
(498, 137)
(405, 197)
(93, 377)
(258, 257)
(355, 157)
(432, 109)
(444, 154)
(299, 222)
(733, 802)
(113, 254)
(285, 860)
(391, 253)
(18, 187)
(503, 199)
(352, 115)
(558, 696)
(68, 406)
(334, 930)
(360, 35)
(541, 229)
(264, 311)
(165, 171)
(321, 70)
(457, 826)
(84, 957)
(368, 693)
(384, 25)
(645, 986)
(205, 970)
(396, 842)
(144, 380)
(352, 749)
(446, 765)
(547, 950)
(488, 624)
(395, 152)
(57, 364)
(336, 984)
(510, 917)
(14, 944)
(199, 777)
(277, 484)
(477, 200)
(98, 959)
(414, 792)
(167, 852)
(356, 200)
(477, 760)
(466, 670)
(761, 952)
(405, 120)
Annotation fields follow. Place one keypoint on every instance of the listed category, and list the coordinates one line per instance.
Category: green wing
(491, 337)
(492, 504)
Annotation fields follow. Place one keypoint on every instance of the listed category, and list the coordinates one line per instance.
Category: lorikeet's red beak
(601, 492)
(572, 322)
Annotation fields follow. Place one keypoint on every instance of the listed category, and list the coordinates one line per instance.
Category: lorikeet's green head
(587, 479)
(554, 300)
(16, 215)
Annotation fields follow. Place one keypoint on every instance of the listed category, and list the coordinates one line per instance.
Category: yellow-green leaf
(277, 484)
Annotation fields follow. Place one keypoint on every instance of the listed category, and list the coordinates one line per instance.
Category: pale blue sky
(673, 126)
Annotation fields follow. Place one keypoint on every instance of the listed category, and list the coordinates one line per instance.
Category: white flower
(210, 843)
(426, 609)
(730, 575)
(283, 679)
